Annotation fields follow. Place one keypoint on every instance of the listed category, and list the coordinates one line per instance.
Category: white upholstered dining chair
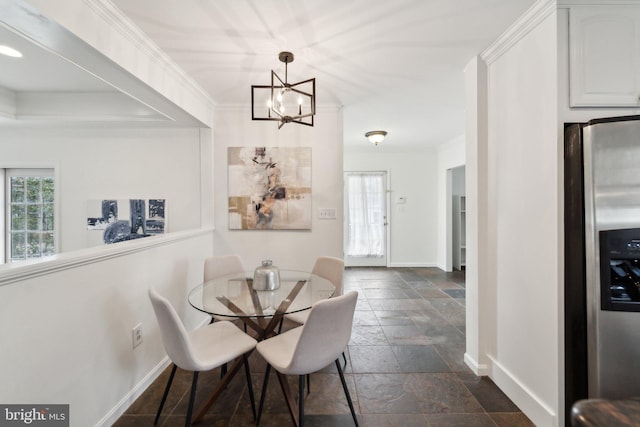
(217, 266)
(203, 349)
(330, 268)
(312, 346)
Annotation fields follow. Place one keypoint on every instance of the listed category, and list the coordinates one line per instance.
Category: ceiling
(42, 86)
(396, 66)
(40, 70)
(61, 79)
(392, 65)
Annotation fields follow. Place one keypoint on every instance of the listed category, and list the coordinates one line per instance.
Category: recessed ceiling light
(9, 51)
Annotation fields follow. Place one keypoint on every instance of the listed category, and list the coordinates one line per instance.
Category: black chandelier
(282, 101)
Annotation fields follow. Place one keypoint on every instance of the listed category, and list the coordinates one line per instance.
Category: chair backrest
(217, 266)
(332, 269)
(325, 334)
(174, 335)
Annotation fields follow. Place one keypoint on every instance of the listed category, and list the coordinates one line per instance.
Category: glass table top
(233, 296)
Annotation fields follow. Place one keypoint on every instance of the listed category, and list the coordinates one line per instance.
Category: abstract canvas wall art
(128, 219)
(269, 188)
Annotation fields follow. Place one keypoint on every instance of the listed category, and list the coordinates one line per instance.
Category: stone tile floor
(405, 367)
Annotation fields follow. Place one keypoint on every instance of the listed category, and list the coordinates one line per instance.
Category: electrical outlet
(327, 213)
(136, 335)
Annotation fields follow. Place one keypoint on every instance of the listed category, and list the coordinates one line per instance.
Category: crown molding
(519, 29)
(121, 23)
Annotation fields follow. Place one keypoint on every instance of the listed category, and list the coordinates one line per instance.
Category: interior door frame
(448, 241)
(370, 262)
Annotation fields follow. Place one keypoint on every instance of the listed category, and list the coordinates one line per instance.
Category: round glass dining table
(233, 296)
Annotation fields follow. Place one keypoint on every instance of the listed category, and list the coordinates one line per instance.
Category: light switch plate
(327, 213)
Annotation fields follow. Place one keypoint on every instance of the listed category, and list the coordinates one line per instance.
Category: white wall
(414, 224)
(525, 213)
(96, 164)
(67, 322)
(67, 335)
(286, 248)
(517, 306)
(450, 155)
(479, 315)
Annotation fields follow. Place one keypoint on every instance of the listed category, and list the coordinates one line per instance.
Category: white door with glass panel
(365, 216)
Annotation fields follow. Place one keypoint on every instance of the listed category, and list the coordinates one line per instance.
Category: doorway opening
(457, 218)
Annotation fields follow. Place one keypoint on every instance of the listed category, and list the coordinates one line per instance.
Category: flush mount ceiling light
(376, 136)
(9, 51)
(282, 101)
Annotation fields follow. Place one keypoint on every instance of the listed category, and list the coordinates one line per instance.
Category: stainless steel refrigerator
(611, 149)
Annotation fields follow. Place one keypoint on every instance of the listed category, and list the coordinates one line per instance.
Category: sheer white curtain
(365, 211)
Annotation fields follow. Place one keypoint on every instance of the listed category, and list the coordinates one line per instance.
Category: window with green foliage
(30, 208)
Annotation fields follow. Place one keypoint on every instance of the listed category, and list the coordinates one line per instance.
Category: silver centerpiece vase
(266, 277)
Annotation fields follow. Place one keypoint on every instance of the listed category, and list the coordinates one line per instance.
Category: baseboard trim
(112, 416)
(412, 264)
(480, 369)
(529, 403)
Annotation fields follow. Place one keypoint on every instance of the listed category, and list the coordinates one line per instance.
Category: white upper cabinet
(604, 49)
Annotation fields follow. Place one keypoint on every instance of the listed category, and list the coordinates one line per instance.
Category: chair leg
(346, 392)
(301, 400)
(223, 370)
(194, 383)
(264, 392)
(344, 356)
(308, 383)
(166, 393)
(247, 372)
